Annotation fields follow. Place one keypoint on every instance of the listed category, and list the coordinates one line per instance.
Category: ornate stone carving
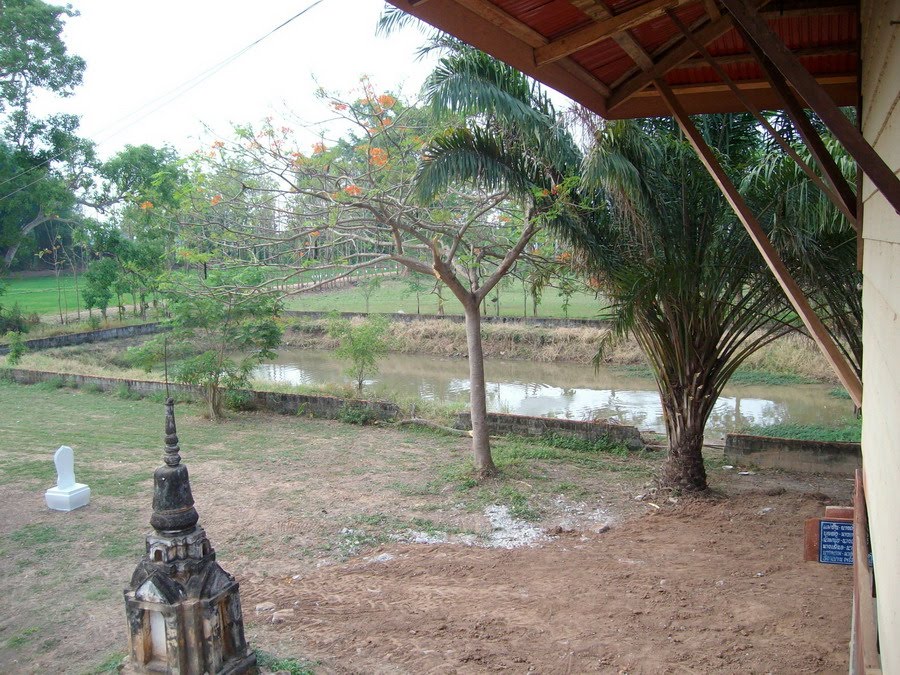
(183, 609)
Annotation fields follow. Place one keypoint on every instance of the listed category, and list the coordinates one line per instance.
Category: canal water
(562, 390)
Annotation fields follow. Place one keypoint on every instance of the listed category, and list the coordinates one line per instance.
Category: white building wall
(881, 319)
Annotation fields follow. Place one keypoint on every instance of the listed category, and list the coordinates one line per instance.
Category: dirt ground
(393, 562)
(707, 586)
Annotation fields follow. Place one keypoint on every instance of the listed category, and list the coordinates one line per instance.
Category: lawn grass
(394, 296)
(319, 491)
(39, 295)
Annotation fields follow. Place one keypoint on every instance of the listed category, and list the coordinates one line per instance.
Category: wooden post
(813, 323)
(865, 624)
(817, 98)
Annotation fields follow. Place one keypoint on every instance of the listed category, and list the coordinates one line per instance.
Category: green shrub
(356, 414)
(239, 399)
(17, 348)
(273, 664)
(13, 320)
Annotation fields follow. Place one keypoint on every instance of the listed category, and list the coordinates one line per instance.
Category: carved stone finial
(172, 456)
(173, 503)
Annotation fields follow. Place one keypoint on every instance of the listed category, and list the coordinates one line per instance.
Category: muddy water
(562, 390)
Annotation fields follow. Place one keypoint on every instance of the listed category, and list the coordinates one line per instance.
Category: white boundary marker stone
(66, 495)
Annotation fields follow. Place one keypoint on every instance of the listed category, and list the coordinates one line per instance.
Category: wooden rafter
(792, 290)
(835, 191)
(601, 29)
(597, 9)
(675, 53)
(496, 16)
(818, 99)
(841, 192)
(667, 61)
(831, 50)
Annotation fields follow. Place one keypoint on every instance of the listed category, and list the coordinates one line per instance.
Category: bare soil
(705, 586)
(322, 518)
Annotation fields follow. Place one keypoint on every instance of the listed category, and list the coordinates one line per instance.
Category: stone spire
(173, 503)
(184, 610)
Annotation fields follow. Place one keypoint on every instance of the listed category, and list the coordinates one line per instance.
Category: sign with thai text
(836, 542)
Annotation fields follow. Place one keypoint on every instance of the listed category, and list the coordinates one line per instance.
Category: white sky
(138, 52)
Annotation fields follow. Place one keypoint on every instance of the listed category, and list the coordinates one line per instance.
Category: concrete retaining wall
(455, 318)
(520, 425)
(101, 335)
(792, 454)
(330, 407)
(104, 334)
(286, 404)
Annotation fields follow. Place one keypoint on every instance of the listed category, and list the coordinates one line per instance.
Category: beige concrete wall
(881, 318)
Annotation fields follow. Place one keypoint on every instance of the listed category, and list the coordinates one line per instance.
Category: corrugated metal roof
(507, 28)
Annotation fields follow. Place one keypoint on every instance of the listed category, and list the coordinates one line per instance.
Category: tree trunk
(481, 446)
(214, 399)
(685, 424)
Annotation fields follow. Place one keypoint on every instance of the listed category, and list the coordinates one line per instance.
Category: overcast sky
(137, 53)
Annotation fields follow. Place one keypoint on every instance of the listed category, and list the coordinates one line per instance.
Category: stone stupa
(183, 609)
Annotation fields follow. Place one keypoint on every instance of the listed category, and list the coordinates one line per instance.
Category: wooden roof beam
(791, 70)
(497, 17)
(791, 288)
(676, 55)
(602, 29)
(597, 9)
(837, 189)
(832, 50)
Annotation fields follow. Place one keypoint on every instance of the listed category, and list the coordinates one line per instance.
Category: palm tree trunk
(481, 446)
(684, 468)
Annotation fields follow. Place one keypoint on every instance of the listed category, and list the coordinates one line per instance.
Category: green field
(39, 295)
(394, 296)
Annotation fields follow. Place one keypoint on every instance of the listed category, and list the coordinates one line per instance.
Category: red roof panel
(550, 18)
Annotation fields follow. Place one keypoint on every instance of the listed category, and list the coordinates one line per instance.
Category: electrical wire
(163, 99)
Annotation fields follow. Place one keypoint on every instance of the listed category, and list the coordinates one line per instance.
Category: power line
(163, 99)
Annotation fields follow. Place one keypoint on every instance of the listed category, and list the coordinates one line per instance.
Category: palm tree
(815, 240)
(508, 139)
(680, 272)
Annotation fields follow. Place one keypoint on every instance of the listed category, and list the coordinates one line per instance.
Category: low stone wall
(285, 404)
(793, 455)
(456, 318)
(331, 407)
(70, 339)
(520, 425)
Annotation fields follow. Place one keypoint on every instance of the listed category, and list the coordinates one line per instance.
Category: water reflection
(562, 390)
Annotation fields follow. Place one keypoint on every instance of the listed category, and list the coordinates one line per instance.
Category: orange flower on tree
(339, 106)
(318, 148)
(215, 200)
(147, 205)
(387, 121)
(353, 190)
(387, 101)
(378, 156)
